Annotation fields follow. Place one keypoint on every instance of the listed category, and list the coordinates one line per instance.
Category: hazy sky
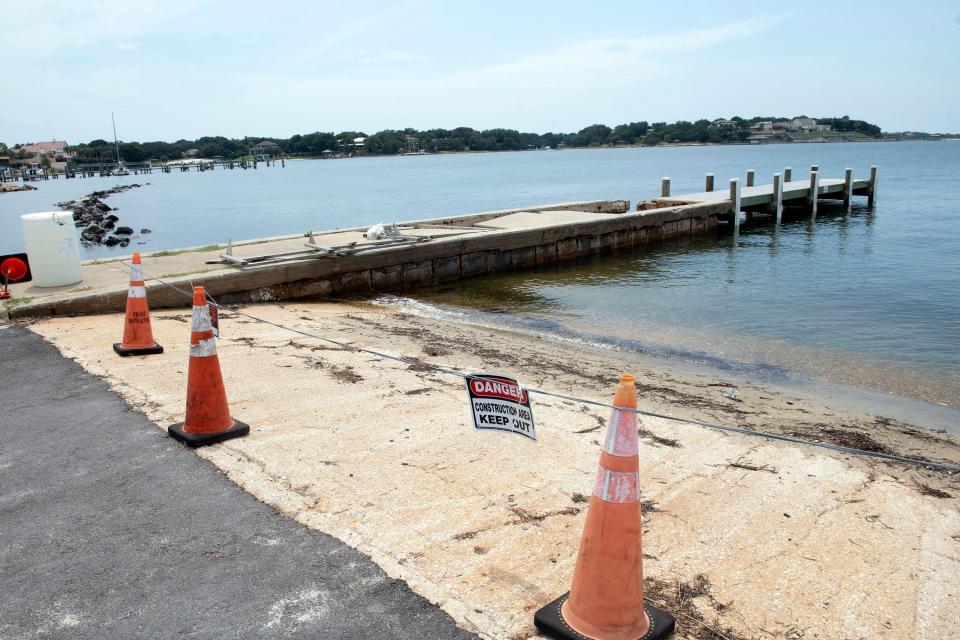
(184, 68)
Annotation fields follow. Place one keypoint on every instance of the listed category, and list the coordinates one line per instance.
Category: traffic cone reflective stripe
(606, 599)
(203, 344)
(137, 332)
(208, 415)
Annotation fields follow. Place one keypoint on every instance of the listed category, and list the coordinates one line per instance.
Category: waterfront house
(265, 149)
(53, 149)
(721, 123)
(807, 124)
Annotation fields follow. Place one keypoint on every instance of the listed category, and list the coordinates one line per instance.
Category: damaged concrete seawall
(438, 261)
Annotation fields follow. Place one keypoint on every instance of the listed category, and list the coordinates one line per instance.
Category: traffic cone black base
(550, 621)
(140, 351)
(200, 439)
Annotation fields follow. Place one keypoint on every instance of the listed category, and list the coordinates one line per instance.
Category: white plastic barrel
(52, 248)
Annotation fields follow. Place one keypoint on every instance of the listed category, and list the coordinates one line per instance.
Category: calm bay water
(870, 299)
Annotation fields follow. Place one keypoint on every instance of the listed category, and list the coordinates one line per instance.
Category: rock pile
(99, 225)
(15, 186)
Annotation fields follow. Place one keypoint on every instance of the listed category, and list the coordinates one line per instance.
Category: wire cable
(585, 401)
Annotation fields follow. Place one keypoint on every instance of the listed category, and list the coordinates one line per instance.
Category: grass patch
(16, 302)
(800, 136)
(180, 274)
(177, 252)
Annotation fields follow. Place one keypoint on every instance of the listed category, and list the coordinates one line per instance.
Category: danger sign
(499, 403)
(214, 319)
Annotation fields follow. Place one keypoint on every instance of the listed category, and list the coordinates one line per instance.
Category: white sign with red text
(499, 403)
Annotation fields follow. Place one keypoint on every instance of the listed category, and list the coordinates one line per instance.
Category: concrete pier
(434, 251)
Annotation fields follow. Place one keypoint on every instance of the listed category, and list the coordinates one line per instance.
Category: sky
(186, 68)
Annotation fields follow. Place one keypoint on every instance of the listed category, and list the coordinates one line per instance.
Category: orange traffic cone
(137, 333)
(208, 416)
(606, 600)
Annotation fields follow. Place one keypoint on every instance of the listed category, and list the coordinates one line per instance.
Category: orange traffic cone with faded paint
(137, 333)
(606, 599)
(208, 416)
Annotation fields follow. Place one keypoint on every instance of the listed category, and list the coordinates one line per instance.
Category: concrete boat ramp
(422, 252)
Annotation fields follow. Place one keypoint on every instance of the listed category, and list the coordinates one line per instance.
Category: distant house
(191, 153)
(359, 142)
(265, 149)
(803, 124)
(53, 148)
(721, 123)
(796, 124)
(807, 124)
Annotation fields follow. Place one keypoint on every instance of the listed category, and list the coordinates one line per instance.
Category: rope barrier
(585, 401)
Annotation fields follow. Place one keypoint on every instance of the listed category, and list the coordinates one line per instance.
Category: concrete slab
(793, 541)
(534, 219)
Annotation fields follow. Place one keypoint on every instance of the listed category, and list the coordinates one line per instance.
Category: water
(870, 299)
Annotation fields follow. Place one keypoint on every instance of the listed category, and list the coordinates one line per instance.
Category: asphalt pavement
(111, 529)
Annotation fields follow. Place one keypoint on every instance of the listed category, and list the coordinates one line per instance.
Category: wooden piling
(708, 183)
(872, 190)
(847, 188)
(750, 177)
(814, 193)
(787, 175)
(777, 204)
(664, 187)
(735, 203)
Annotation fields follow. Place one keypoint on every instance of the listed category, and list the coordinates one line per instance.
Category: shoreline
(852, 395)
(380, 454)
(599, 148)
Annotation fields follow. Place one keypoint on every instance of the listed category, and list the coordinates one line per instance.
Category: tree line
(395, 141)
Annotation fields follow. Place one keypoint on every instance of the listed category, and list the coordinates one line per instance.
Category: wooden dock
(771, 198)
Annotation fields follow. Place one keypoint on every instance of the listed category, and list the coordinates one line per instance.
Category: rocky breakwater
(10, 187)
(100, 225)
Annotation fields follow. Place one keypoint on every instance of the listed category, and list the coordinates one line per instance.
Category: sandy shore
(743, 537)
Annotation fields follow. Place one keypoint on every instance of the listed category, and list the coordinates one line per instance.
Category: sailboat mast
(115, 142)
